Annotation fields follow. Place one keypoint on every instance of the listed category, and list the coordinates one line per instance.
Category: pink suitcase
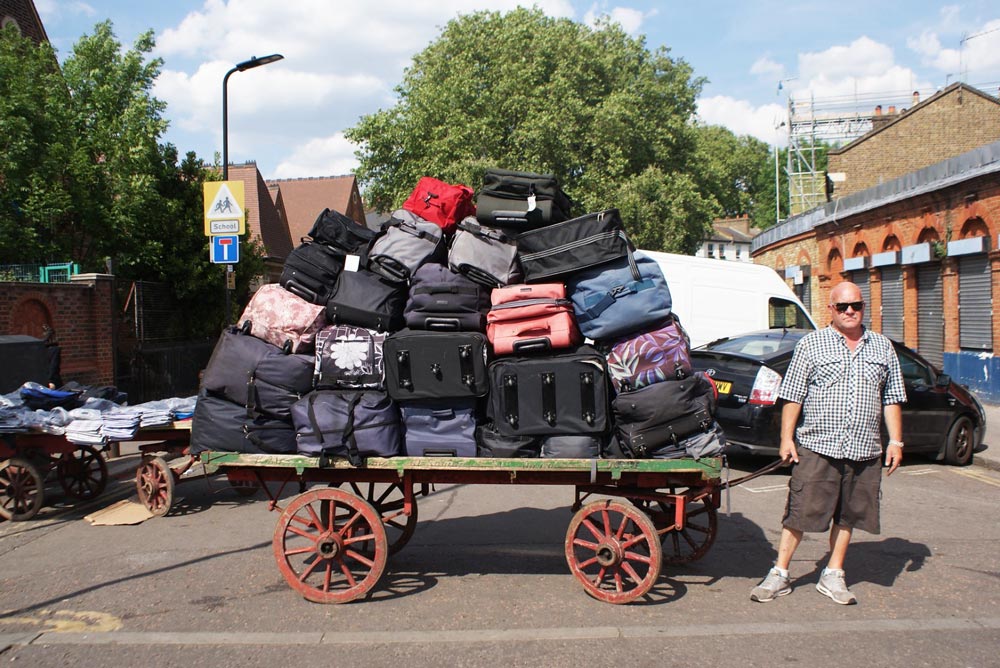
(531, 318)
(284, 319)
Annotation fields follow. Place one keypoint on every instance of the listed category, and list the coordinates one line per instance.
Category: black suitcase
(365, 299)
(653, 420)
(491, 443)
(220, 424)
(564, 248)
(565, 394)
(422, 365)
(311, 271)
(506, 196)
(443, 300)
(334, 229)
(260, 376)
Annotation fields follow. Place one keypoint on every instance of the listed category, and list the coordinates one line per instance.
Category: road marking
(976, 475)
(768, 488)
(557, 634)
(66, 621)
(924, 471)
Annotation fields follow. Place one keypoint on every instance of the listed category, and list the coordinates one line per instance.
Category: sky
(343, 59)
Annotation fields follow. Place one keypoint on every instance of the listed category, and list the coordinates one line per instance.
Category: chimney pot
(878, 110)
(892, 109)
(916, 97)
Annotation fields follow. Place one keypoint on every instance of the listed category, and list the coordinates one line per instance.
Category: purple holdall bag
(347, 423)
(649, 357)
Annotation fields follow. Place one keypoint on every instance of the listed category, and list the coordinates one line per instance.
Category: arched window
(10, 21)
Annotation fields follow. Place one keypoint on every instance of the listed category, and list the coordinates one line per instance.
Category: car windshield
(760, 345)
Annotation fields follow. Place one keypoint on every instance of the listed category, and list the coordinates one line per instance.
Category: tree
(84, 177)
(525, 91)
(738, 172)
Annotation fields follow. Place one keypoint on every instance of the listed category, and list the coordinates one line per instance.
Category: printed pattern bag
(349, 357)
(484, 255)
(284, 319)
(406, 242)
(610, 301)
(650, 357)
(441, 203)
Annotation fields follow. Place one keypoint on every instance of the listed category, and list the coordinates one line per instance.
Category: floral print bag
(349, 357)
(650, 357)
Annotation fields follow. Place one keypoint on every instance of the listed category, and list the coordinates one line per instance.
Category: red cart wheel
(614, 550)
(21, 489)
(330, 545)
(83, 473)
(154, 482)
(701, 523)
(388, 501)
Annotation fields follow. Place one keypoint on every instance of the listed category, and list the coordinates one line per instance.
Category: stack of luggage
(500, 328)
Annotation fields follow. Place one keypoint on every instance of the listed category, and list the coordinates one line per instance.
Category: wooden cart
(332, 540)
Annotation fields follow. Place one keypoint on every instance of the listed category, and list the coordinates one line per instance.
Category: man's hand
(893, 458)
(788, 452)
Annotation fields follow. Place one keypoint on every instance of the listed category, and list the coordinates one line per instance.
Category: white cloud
(52, 10)
(628, 18)
(743, 118)
(323, 156)
(864, 57)
(768, 70)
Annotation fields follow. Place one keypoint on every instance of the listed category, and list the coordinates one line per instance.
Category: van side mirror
(943, 380)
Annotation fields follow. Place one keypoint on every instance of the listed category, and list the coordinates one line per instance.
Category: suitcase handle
(442, 324)
(303, 292)
(534, 327)
(439, 453)
(532, 345)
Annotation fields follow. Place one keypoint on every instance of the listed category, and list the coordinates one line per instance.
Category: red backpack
(441, 203)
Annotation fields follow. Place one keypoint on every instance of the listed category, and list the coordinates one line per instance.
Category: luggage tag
(531, 202)
(352, 262)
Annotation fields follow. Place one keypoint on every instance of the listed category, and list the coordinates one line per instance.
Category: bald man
(843, 380)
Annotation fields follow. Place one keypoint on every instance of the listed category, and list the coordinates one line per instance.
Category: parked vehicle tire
(961, 441)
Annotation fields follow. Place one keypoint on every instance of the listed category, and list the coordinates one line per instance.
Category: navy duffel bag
(345, 423)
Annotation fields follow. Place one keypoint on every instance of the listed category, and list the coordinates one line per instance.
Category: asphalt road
(484, 581)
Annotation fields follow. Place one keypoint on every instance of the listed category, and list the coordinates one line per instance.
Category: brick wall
(81, 314)
(23, 11)
(958, 120)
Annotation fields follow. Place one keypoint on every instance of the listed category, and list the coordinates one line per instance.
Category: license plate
(724, 386)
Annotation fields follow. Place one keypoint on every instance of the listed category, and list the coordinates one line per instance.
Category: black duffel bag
(365, 299)
(311, 271)
(333, 228)
(654, 420)
(567, 247)
(521, 200)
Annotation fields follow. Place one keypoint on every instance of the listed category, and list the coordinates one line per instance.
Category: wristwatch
(896, 443)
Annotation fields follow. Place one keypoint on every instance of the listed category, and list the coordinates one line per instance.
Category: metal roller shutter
(804, 292)
(930, 313)
(860, 279)
(892, 302)
(975, 303)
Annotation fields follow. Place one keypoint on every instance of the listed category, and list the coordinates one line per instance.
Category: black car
(940, 418)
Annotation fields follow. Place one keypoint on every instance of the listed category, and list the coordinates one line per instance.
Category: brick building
(730, 240)
(956, 119)
(923, 249)
(24, 17)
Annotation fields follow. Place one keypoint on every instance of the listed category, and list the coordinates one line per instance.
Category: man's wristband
(896, 443)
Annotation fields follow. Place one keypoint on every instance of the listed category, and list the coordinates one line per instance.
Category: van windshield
(782, 313)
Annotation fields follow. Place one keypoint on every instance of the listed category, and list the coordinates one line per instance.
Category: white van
(717, 298)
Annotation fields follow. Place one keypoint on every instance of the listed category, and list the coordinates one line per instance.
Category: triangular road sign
(226, 202)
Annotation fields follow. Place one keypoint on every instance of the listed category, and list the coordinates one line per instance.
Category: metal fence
(39, 273)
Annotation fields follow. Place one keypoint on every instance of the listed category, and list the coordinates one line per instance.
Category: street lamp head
(257, 62)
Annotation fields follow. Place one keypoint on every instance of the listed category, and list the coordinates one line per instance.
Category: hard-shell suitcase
(406, 242)
(559, 250)
(485, 255)
(349, 357)
(220, 424)
(443, 300)
(611, 300)
(649, 357)
(421, 365)
(311, 271)
(531, 318)
(521, 200)
(440, 428)
(257, 375)
(443, 204)
(336, 230)
(550, 395)
(365, 299)
(282, 318)
(659, 416)
(347, 423)
(491, 443)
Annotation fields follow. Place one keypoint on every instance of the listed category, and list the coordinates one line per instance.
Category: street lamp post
(240, 67)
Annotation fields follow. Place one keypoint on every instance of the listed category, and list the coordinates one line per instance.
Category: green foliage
(525, 91)
(83, 176)
(737, 172)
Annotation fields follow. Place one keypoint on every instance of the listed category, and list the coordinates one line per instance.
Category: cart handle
(750, 476)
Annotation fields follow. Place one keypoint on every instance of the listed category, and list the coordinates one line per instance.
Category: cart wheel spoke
(694, 540)
(21, 489)
(623, 563)
(324, 526)
(154, 483)
(389, 501)
(83, 473)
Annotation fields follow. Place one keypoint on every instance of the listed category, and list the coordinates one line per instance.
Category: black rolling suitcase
(421, 365)
(564, 394)
(654, 420)
(311, 271)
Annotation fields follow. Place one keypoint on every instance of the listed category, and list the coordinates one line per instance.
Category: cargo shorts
(822, 489)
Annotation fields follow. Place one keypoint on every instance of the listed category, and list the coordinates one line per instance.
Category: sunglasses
(842, 306)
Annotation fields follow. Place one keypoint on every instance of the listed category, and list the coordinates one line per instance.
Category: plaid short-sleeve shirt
(842, 393)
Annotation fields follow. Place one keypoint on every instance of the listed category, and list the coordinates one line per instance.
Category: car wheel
(961, 441)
